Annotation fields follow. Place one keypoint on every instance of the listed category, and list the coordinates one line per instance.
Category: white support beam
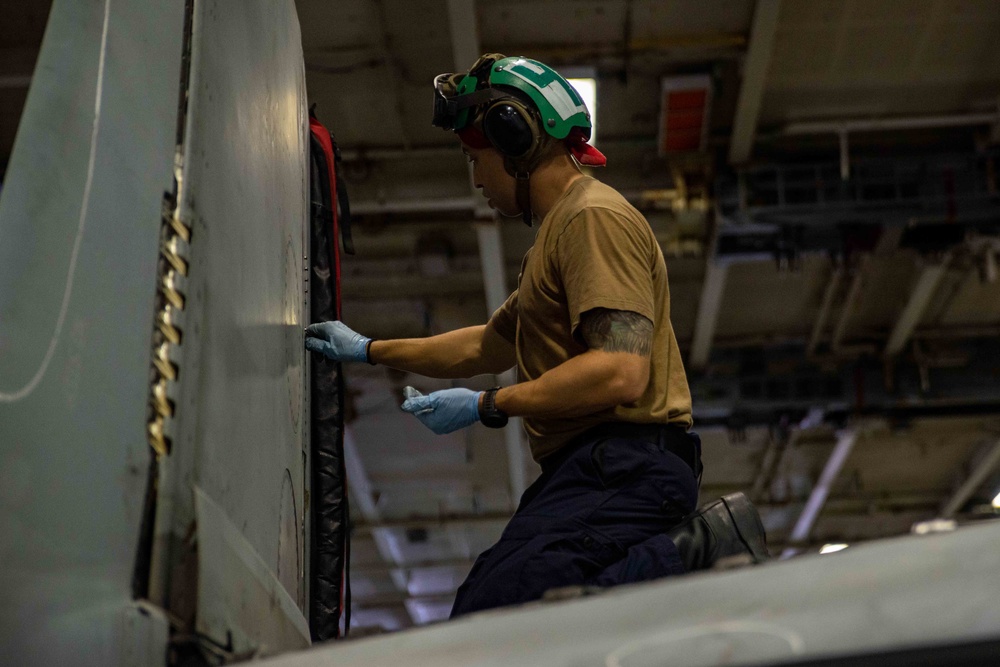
(708, 312)
(363, 497)
(976, 479)
(465, 49)
(824, 310)
(765, 27)
(853, 294)
(804, 525)
(394, 82)
(464, 33)
(916, 306)
(495, 283)
(492, 264)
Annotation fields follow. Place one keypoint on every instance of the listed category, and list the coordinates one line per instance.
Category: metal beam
(917, 304)
(708, 312)
(803, 526)
(853, 294)
(979, 475)
(824, 310)
(765, 27)
(776, 444)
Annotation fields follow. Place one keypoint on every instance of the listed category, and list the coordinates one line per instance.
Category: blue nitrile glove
(443, 411)
(337, 341)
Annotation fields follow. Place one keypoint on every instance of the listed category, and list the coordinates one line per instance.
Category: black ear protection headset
(509, 121)
(513, 127)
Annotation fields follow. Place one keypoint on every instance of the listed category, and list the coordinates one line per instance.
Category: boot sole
(748, 525)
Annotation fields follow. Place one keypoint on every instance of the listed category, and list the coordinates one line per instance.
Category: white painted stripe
(537, 69)
(557, 96)
(25, 391)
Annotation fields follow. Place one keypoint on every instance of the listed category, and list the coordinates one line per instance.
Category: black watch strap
(489, 415)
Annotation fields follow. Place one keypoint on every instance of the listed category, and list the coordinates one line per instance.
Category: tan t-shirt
(593, 250)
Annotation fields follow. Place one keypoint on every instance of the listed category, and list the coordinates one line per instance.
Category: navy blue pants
(596, 516)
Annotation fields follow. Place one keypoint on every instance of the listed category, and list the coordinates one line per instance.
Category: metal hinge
(172, 269)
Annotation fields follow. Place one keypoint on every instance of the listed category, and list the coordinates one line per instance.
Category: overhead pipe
(888, 124)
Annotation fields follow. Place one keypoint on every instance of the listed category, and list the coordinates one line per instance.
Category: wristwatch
(489, 415)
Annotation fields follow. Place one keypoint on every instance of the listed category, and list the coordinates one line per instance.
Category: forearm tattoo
(617, 331)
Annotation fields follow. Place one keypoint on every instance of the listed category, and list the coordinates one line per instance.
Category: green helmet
(519, 105)
(459, 98)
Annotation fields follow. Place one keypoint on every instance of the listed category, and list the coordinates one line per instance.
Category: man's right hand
(337, 341)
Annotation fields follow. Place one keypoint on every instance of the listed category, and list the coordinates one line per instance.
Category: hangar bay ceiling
(832, 256)
(832, 248)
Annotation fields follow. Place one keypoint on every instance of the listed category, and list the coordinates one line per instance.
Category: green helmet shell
(561, 108)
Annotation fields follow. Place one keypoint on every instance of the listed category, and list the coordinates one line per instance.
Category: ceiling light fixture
(830, 548)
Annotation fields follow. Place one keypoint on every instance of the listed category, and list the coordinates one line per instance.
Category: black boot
(727, 527)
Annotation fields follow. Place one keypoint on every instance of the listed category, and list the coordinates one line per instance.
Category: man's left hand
(443, 411)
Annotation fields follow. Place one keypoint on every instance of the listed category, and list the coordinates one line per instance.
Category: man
(601, 388)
